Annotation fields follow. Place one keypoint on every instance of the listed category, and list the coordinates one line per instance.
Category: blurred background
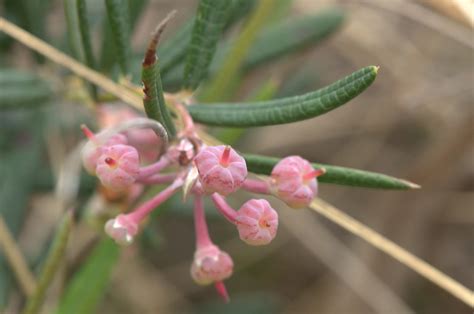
(414, 122)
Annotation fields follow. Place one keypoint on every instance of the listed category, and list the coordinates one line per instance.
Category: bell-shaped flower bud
(122, 229)
(294, 181)
(118, 166)
(92, 150)
(257, 222)
(220, 169)
(211, 265)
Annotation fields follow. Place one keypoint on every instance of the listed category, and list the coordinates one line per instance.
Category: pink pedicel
(122, 229)
(92, 150)
(294, 181)
(257, 222)
(220, 169)
(210, 265)
(118, 166)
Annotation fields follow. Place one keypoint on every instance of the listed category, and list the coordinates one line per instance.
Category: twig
(394, 250)
(16, 260)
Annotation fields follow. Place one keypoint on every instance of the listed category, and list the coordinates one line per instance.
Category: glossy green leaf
(22, 89)
(334, 174)
(89, 284)
(286, 110)
(119, 18)
(51, 265)
(207, 29)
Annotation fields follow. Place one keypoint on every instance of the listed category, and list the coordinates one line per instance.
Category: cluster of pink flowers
(114, 156)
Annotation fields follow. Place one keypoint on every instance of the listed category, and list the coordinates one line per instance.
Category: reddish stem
(256, 186)
(143, 210)
(158, 178)
(202, 232)
(154, 168)
(228, 212)
(221, 289)
(88, 133)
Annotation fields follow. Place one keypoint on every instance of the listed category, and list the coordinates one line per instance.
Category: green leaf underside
(208, 27)
(89, 284)
(334, 174)
(119, 19)
(285, 110)
(22, 89)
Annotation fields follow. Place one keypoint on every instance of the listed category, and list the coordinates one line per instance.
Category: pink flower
(211, 265)
(118, 166)
(92, 150)
(294, 181)
(257, 222)
(122, 229)
(220, 169)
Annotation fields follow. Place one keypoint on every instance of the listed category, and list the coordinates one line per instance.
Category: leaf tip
(411, 185)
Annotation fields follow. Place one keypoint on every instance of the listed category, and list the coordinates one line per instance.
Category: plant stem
(202, 232)
(228, 212)
(256, 186)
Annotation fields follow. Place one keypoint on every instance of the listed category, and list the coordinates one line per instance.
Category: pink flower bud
(294, 181)
(257, 222)
(211, 265)
(92, 150)
(221, 169)
(118, 166)
(122, 229)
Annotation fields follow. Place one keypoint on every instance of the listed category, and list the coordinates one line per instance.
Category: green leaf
(72, 30)
(334, 174)
(288, 37)
(52, 264)
(154, 101)
(220, 84)
(293, 35)
(208, 27)
(22, 89)
(89, 284)
(119, 19)
(286, 110)
(108, 54)
(264, 92)
(86, 39)
(173, 50)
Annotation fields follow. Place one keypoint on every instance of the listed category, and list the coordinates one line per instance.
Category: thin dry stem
(16, 260)
(394, 250)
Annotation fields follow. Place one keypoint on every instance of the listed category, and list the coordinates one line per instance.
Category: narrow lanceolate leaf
(119, 20)
(51, 265)
(108, 53)
(208, 26)
(153, 100)
(86, 39)
(334, 174)
(72, 29)
(221, 84)
(293, 35)
(173, 50)
(89, 284)
(22, 89)
(286, 110)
